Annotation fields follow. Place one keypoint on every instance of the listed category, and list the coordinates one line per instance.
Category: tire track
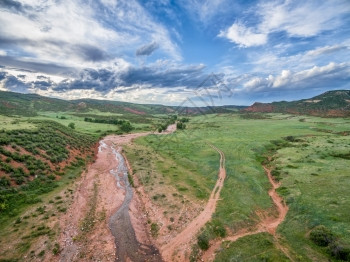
(182, 239)
(267, 224)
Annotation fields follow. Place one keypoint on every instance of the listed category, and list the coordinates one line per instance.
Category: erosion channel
(128, 247)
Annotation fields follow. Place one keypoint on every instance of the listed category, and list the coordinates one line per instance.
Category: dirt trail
(267, 224)
(173, 251)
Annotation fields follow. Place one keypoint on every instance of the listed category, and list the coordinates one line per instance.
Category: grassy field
(94, 129)
(13, 123)
(35, 230)
(314, 199)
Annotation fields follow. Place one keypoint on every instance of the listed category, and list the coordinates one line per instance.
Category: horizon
(188, 105)
(160, 52)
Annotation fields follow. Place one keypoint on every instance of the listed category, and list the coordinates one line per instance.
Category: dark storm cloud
(43, 85)
(36, 66)
(42, 77)
(2, 75)
(90, 53)
(147, 50)
(104, 80)
(186, 76)
(85, 52)
(11, 5)
(15, 84)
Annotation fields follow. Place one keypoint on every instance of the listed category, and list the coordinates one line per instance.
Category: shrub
(321, 236)
(339, 250)
(180, 125)
(203, 241)
(56, 249)
(126, 127)
(218, 228)
(18, 221)
(71, 125)
(154, 229)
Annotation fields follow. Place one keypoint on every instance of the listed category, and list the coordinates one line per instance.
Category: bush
(126, 127)
(321, 236)
(56, 249)
(203, 241)
(218, 228)
(180, 125)
(154, 229)
(339, 250)
(71, 125)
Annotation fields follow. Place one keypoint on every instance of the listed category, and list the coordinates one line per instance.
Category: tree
(71, 125)
(180, 125)
(126, 127)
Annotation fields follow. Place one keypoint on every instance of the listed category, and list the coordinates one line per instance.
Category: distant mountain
(29, 104)
(329, 104)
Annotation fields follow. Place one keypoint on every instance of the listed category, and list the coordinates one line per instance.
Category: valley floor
(226, 188)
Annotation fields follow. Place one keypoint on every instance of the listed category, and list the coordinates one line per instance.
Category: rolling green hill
(30, 104)
(34, 159)
(329, 104)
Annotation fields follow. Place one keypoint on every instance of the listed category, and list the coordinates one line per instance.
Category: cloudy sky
(171, 51)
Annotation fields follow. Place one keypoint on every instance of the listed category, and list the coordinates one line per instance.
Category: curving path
(267, 223)
(169, 251)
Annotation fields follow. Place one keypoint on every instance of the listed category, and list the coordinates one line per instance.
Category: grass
(314, 172)
(94, 129)
(315, 190)
(32, 165)
(15, 123)
(24, 236)
(259, 247)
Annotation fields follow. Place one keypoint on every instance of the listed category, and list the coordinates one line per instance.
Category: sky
(183, 52)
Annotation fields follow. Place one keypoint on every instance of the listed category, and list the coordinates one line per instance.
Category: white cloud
(243, 36)
(318, 76)
(79, 33)
(205, 10)
(273, 60)
(304, 19)
(298, 19)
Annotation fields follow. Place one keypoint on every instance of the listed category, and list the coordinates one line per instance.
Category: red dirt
(109, 199)
(267, 224)
(134, 111)
(260, 107)
(175, 249)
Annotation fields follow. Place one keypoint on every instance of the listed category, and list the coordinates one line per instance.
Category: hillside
(329, 104)
(30, 104)
(33, 159)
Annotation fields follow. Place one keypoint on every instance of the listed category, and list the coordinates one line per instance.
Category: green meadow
(310, 156)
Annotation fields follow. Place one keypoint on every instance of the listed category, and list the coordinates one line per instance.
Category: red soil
(267, 224)
(175, 249)
(134, 111)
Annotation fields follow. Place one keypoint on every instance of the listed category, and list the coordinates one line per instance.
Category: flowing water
(128, 247)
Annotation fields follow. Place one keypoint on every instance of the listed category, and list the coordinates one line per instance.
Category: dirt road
(267, 224)
(174, 250)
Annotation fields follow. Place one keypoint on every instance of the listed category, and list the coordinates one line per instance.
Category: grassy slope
(316, 182)
(30, 184)
(243, 141)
